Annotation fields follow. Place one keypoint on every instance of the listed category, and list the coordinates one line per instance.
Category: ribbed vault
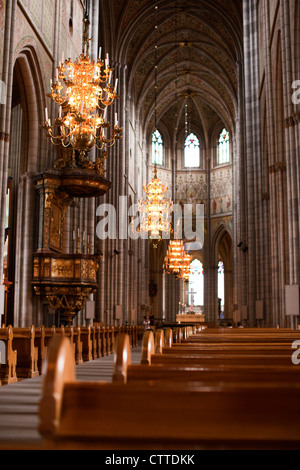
(199, 47)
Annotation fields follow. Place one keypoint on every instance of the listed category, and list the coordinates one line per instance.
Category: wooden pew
(28, 355)
(125, 372)
(98, 340)
(245, 337)
(78, 346)
(40, 344)
(87, 343)
(67, 332)
(8, 372)
(95, 342)
(109, 331)
(148, 347)
(168, 337)
(49, 334)
(43, 337)
(103, 341)
(76, 415)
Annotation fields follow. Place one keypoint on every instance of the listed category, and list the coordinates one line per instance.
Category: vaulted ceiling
(198, 57)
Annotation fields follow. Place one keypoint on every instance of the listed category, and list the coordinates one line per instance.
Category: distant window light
(192, 152)
(157, 148)
(196, 284)
(224, 148)
(221, 283)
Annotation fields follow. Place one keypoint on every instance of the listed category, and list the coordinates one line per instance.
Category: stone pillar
(5, 110)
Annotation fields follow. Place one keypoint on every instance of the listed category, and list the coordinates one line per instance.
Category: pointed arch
(26, 149)
(222, 249)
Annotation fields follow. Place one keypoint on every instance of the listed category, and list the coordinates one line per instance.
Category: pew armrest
(169, 338)
(122, 358)
(159, 341)
(148, 348)
(59, 370)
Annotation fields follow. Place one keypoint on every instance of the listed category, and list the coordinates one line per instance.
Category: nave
(187, 389)
(192, 388)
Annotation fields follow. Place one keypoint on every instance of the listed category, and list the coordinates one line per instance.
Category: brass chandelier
(186, 269)
(83, 91)
(177, 261)
(155, 210)
(174, 258)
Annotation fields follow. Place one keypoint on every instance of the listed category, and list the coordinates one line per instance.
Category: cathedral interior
(149, 225)
(205, 101)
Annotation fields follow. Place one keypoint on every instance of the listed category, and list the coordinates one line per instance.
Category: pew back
(8, 372)
(117, 416)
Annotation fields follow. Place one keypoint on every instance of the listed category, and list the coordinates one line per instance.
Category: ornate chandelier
(186, 271)
(177, 261)
(83, 91)
(155, 210)
(174, 261)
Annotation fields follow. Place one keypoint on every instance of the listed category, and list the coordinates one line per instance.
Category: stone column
(5, 110)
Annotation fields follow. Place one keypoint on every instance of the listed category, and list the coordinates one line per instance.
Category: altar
(190, 318)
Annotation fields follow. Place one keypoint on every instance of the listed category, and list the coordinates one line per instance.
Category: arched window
(196, 284)
(157, 148)
(192, 152)
(221, 285)
(224, 148)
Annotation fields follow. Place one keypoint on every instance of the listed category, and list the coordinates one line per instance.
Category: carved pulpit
(65, 280)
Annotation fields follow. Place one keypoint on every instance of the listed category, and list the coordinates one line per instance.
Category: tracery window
(157, 148)
(221, 284)
(196, 284)
(192, 152)
(224, 148)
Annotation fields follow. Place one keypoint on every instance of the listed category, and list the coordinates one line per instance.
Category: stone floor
(19, 403)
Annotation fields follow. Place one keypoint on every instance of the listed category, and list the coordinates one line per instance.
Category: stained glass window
(196, 284)
(157, 148)
(221, 284)
(192, 152)
(224, 148)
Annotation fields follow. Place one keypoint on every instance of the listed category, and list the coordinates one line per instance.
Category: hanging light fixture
(177, 261)
(155, 210)
(83, 91)
(175, 257)
(186, 270)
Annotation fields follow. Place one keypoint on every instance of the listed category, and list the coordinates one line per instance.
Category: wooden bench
(125, 372)
(28, 355)
(103, 338)
(41, 345)
(131, 330)
(98, 340)
(87, 343)
(49, 334)
(109, 332)
(95, 342)
(238, 336)
(78, 345)
(8, 372)
(78, 415)
(67, 332)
